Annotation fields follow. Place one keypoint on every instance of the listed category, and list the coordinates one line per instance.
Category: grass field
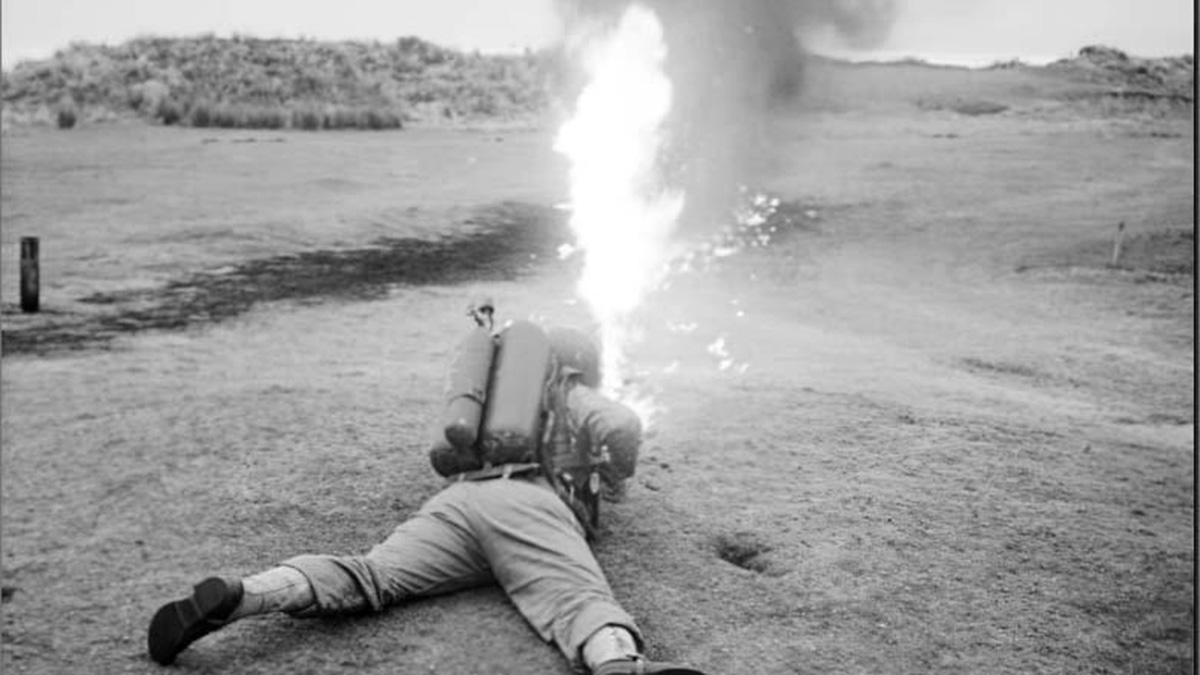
(962, 441)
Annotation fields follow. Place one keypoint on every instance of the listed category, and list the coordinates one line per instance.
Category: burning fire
(622, 213)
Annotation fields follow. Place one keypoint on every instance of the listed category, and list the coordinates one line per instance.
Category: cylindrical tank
(513, 417)
(467, 388)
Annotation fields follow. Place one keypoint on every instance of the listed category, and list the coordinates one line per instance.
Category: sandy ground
(960, 442)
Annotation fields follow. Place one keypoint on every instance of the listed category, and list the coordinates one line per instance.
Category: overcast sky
(942, 29)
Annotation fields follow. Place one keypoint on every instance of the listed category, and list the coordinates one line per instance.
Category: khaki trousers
(511, 531)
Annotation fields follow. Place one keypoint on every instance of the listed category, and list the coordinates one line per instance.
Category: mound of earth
(1172, 76)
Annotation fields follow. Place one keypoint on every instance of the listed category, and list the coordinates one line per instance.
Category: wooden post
(29, 274)
(1116, 257)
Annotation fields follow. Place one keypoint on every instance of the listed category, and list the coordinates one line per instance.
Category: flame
(621, 212)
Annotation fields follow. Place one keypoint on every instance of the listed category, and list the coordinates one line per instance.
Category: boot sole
(646, 669)
(178, 624)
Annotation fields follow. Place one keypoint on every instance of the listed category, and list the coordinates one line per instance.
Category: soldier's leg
(432, 552)
(279, 589)
(540, 556)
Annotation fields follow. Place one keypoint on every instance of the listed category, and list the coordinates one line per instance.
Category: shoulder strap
(571, 470)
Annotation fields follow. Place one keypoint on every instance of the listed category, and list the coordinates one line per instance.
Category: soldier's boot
(180, 623)
(640, 666)
(613, 651)
(217, 602)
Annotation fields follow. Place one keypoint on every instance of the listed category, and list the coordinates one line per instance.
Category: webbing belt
(498, 471)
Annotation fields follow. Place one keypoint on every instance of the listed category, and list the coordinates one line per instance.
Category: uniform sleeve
(609, 428)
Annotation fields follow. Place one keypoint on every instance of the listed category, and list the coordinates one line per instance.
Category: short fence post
(1116, 256)
(29, 274)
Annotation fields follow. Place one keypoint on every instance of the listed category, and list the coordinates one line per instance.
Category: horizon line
(956, 59)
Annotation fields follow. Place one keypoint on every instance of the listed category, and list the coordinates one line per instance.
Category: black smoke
(733, 65)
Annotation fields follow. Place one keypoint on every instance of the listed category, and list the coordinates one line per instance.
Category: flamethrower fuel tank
(512, 419)
(467, 389)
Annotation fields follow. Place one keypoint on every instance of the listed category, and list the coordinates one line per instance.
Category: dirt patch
(500, 242)
(1167, 254)
(744, 549)
(1170, 252)
(964, 106)
(999, 367)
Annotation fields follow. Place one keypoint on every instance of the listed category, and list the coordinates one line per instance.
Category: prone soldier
(528, 446)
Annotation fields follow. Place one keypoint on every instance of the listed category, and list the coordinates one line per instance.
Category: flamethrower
(524, 400)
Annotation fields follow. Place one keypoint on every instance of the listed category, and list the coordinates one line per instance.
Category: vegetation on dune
(1168, 76)
(276, 83)
(246, 82)
(1119, 84)
(1098, 82)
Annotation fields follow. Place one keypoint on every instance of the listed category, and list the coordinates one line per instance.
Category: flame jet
(621, 211)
